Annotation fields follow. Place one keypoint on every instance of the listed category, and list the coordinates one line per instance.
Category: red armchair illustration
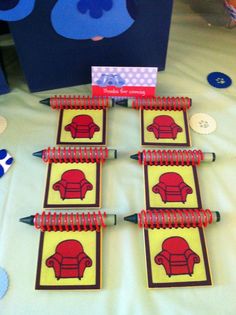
(82, 126)
(69, 260)
(73, 185)
(172, 188)
(177, 257)
(164, 127)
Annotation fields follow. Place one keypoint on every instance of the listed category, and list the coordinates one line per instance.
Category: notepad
(175, 248)
(170, 179)
(69, 261)
(171, 187)
(164, 128)
(73, 185)
(82, 127)
(174, 240)
(165, 123)
(74, 176)
(176, 257)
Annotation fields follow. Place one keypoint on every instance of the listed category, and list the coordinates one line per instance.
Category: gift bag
(4, 88)
(59, 40)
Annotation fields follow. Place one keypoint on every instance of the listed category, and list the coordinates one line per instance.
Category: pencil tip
(123, 103)
(38, 154)
(46, 101)
(131, 218)
(28, 220)
(217, 216)
(134, 156)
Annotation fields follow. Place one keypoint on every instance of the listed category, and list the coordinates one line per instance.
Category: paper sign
(124, 81)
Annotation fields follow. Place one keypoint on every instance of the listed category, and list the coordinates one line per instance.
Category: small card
(82, 127)
(124, 81)
(176, 258)
(160, 127)
(73, 185)
(69, 261)
(173, 187)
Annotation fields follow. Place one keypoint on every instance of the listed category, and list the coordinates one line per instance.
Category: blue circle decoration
(7, 5)
(3, 282)
(9, 161)
(1, 171)
(219, 80)
(15, 10)
(3, 154)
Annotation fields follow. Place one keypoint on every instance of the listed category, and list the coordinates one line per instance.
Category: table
(197, 47)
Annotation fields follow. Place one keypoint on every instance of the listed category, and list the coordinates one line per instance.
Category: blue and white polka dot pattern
(6, 161)
(133, 76)
(3, 282)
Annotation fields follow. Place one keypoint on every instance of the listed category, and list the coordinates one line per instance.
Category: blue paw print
(3, 154)
(220, 80)
(95, 7)
(110, 80)
(203, 124)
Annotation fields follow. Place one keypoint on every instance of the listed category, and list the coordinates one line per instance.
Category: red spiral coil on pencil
(47, 222)
(75, 155)
(170, 157)
(162, 103)
(78, 102)
(174, 218)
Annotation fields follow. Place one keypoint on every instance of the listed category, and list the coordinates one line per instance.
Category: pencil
(69, 221)
(165, 103)
(169, 218)
(174, 156)
(65, 154)
(78, 102)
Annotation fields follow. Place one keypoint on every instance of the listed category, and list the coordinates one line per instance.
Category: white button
(3, 124)
(203, 123)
